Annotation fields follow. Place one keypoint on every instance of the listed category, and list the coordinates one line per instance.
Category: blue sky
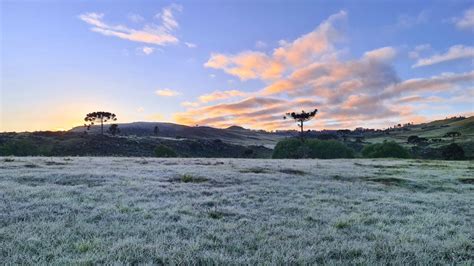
(218, 63)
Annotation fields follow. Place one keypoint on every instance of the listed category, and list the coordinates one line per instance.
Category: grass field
(235, 211)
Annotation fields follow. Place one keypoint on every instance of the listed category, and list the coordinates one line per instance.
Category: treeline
(297, 148)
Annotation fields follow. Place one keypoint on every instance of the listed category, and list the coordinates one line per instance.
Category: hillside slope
(234, 134)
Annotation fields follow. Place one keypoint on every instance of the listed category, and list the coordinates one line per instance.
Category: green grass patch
(187, 178)
(290, 171)
(255, 170)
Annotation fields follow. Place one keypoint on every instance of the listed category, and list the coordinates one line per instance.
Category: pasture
(86, 210)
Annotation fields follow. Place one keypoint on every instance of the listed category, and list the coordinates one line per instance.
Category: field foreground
(237, 211)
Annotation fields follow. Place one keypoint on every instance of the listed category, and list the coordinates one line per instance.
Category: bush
(453, 152)
(412, 139)
(164, 151)
(288, 148)
(21, 148)
(329, 149)
(322, 149)
(388, 149)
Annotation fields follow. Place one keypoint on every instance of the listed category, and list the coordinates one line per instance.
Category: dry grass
(230, 211)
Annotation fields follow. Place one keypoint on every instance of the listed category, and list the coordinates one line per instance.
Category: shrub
(412, 139)
(21, 148)
(329, 149)
(164, 151)
(322, 149)
(385, 150)
(453, 152)
(288, 148)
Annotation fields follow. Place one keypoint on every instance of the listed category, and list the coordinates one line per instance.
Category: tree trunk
(102, 126)
(302, 132)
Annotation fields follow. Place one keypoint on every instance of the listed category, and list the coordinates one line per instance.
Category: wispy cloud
(167, 92)
(190, 45)
(147, 50)
(135, 18)
(466, 22)
(408, 21)
(454, 52)
(416, 53)
(161, 34)
(220, 95)
(260, 44)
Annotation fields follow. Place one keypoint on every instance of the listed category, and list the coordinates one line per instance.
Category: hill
(234, 134)
(139, 139)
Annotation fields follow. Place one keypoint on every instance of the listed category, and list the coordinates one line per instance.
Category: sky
(221, 63)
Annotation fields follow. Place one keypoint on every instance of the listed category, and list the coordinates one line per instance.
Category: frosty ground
(235, 211)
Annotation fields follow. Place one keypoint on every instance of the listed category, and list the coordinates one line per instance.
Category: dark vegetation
(453, 152)
(80, 144)
(164, 151)
(311, 148)
(388, 149)
(450, 139)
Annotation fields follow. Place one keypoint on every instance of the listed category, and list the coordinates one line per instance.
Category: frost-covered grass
(231, 211)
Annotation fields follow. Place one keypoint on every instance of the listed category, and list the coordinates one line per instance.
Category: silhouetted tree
(100, 116)
(300, 118)
(113, 129)
(156, 130)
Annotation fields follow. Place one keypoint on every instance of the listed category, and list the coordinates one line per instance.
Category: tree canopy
(96, 117)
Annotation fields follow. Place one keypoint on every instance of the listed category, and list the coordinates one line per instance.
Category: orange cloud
(220, 95)
(167, 93)
(306, 73)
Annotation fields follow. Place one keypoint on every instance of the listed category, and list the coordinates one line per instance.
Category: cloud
(408, 21)
(190, 45)
(147, 50)
(381, 54)
(167, 93)
(135, 18)
(189, 104)
(167, 16)
(466, 22)
(454, 52)
(150, 34)
(415, 54)
(260, 44)
(220, 95)
(258, 65)
(140, 109)
(361, 91)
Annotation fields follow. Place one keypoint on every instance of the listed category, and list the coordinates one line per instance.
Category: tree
(412, 139)
(113, 129)
(300, 118)
(452, 134)
(453, 152)
(100, 116)
(156, 130)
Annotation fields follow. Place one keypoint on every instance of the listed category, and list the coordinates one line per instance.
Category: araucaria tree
(96, 117)
(300, 118)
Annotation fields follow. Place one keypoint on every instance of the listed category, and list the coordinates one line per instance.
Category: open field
(136, 210)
